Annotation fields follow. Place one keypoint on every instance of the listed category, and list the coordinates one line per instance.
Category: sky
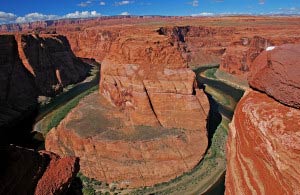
(20, 11)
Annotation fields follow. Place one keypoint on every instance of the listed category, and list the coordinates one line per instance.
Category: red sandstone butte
(277, 73)
(24, 171)
(146, 125)
(263, 147)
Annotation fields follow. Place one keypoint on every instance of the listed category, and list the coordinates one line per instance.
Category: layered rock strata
(32, 66)
(149, 124)
(263, 147)
(50, 59)
(264, 143)
(24, 171)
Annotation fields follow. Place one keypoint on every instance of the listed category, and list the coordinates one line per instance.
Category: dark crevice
(152, 108)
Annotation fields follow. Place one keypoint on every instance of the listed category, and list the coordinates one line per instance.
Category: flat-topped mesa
(277, 73)
(50, 59)
(149, 79)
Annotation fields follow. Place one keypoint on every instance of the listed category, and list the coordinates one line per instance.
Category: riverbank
(53, 112)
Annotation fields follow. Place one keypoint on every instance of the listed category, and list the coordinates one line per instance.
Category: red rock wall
(146, 83)
(263, 147)
(277, 73)
(24, 171)
(92, 43)
(239, 56)
(147, 76)
(51, 60)
(16, 82)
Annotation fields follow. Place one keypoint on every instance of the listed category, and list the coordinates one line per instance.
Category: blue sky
(31, 10)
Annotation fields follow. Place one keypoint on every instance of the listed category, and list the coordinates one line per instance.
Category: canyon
(158, 122)
(158, 118)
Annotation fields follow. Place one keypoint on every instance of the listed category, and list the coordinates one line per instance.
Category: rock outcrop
(277, 73)
(264, 143)
(32, 66)
(50, 59)
(24, 171)
(149, 79)
(263, 147)
(239, 56)
(92, 42)
(149, 124)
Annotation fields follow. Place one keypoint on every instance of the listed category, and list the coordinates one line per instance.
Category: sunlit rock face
(277, 72)
(148, 120)
(263, 147)
(264, 138)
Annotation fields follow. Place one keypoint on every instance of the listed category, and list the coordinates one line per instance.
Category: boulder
(277, 73)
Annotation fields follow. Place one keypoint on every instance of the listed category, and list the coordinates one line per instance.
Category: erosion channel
(207, 177)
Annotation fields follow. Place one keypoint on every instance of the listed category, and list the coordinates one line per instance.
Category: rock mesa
(149, 120)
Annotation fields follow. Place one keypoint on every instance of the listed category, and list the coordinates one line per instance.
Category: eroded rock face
(277, 73)
(149, 79)
(263, 147)
(32, 66)
(147, 123)
(111, 149)
(239, 56)
(92, 43)
(17, 84)
(24, 171)
(50, 59)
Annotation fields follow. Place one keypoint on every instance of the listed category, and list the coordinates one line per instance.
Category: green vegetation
(210, 73)
(65, 109)
(200, 179)
(53, 112)
(70, 92)
(53, 119)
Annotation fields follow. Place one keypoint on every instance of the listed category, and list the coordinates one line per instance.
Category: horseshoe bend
(145, 125)
(150, 105)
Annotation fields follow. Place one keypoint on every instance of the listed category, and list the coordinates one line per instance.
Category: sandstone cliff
(148, 124)
(24, 171)
(263, 145)
(32, 66)
(240, 55)
(277, 73)
(50, 59)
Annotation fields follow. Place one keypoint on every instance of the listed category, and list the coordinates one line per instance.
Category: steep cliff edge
(263, 146)
(32, 66)
(147, 123)
(50, 59)
(277, 73)
(18, 93)
(24, 171)
(240, 55)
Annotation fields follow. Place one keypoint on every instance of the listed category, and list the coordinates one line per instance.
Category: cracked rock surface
(147, 123)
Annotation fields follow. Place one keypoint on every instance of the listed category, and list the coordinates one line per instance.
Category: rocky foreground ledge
(25, 171)
(263, 149)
